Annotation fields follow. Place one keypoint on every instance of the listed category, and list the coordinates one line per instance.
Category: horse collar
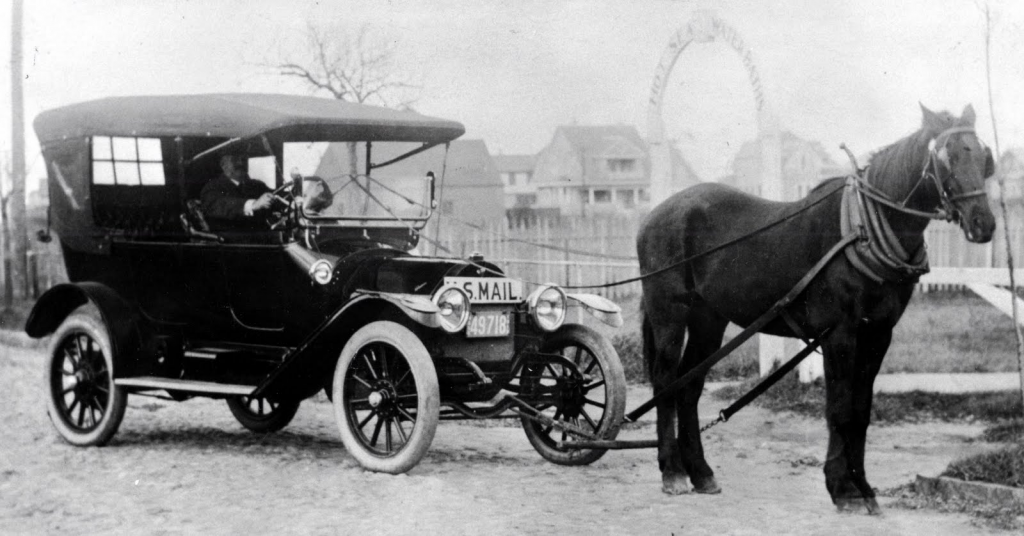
(878, 253)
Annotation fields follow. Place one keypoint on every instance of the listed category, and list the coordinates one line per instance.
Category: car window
(264, 169)
(336, 184)
(127, 161)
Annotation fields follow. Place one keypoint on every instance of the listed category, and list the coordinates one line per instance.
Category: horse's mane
(896, 167)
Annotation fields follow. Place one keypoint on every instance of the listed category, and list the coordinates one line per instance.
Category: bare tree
(1002, 197)
(356, 68)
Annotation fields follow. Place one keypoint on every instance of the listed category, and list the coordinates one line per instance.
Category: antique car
(331, 291)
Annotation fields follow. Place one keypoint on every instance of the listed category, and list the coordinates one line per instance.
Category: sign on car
(488, 289)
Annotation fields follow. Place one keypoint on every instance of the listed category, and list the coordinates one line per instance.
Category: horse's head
(959, 163)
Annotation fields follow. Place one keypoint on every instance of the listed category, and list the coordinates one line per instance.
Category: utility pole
(16, 210)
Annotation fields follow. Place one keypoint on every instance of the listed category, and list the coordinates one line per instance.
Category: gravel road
(189, 468)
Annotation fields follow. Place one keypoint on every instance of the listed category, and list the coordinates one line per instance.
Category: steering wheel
(284, 195)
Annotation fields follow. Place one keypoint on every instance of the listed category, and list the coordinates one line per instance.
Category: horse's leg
(852, 360)
(663, 342)
(872, 344)
(705, 329)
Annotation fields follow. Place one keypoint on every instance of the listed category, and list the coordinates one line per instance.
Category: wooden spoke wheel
(262, 414)
(83, 403)
(589, 389)
(386, 398)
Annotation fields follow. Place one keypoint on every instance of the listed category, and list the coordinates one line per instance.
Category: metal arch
(706, 27)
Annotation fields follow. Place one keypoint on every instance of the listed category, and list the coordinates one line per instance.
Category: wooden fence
(566, 251)
(601, 250)
(591, 251)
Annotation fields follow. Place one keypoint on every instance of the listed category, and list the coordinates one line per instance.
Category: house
(516, 172)
(1010, 170)
(468, 188)
(804, 164)
(606, 168)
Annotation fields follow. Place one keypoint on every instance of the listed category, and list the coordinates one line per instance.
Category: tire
(262, 415)
(592, 365)
(385, 382)
(82, 401)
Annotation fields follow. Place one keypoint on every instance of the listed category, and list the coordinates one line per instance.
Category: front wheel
(261, 414)
(83, 403)
(386, 398)
(585, 385)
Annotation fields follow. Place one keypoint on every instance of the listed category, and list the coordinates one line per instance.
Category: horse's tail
(650, 350)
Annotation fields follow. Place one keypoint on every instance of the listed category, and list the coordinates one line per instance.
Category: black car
(327, 292)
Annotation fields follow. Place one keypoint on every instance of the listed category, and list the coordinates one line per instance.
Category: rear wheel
(588, 386)
(262, 414)
(83, 403)
(386, 397)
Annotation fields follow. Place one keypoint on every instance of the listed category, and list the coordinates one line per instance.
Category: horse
(742, 253)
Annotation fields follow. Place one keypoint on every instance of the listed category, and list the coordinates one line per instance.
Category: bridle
(934, 162)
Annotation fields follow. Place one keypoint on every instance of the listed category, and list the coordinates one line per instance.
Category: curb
(961, 490)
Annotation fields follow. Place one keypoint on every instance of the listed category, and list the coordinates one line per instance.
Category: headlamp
(453, 305)
(547, 307)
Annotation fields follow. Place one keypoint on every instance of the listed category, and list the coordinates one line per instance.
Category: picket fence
(584, 252)
(596, 251)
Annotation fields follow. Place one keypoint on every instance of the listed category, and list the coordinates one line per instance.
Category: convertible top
(241, 115)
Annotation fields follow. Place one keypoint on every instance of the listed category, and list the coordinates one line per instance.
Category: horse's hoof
(707, 486)
(872, 506)
(674, 484)
(858, 504)
(849, 504)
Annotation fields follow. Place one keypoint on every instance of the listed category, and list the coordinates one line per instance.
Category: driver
(234, 201)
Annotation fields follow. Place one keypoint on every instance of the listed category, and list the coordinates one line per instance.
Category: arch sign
(706, 27)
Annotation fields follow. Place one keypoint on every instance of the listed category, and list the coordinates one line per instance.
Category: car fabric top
(241, 115)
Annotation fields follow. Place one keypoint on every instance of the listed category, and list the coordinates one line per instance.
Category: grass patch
(940, 332)
(739, 365)
(809, 399)
(983, 514)
(1004, 467)
(951, 332)
(1005, 432)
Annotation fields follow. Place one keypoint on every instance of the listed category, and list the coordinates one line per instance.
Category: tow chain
(720, 419)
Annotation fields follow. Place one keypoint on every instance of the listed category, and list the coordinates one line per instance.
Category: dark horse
(857, 302)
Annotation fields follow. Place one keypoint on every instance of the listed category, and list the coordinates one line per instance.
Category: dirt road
(189, 468)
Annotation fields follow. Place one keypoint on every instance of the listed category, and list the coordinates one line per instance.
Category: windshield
(335, 185)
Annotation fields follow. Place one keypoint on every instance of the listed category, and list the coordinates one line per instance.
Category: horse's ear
(990, 164)
(931, 121)
(967, 118)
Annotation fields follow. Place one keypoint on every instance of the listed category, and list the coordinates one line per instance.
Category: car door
(255, 275)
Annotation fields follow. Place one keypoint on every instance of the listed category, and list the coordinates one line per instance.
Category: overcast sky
(512, 71)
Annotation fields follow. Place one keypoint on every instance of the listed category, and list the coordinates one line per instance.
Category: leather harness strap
(877, 253)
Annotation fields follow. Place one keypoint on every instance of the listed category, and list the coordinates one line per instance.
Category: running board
(190, 386)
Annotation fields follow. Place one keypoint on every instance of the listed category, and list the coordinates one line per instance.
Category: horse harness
(878, 253)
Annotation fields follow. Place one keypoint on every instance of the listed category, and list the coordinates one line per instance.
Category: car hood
(400, 273)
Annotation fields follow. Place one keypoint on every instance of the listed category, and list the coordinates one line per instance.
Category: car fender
(419, 308)
(602, 309)
(118, 316)
(306, 368)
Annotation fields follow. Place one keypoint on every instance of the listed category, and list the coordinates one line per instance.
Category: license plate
(488, 324)
(488, 289)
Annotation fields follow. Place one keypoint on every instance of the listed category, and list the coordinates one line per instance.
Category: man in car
(234, 201)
